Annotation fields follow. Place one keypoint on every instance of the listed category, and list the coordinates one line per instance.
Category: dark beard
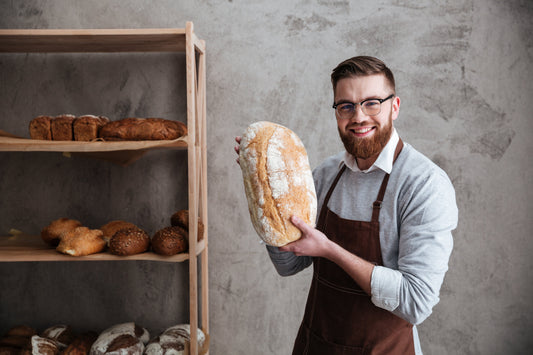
(364, 148)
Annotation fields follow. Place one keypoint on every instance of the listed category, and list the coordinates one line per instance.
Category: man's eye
(371, 103)
(345, 107)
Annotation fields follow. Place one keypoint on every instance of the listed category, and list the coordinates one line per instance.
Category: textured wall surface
(463, 71)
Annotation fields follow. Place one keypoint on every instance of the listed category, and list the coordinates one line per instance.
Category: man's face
(365, 136)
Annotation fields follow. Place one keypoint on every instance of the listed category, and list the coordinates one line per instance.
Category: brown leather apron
(340, 317)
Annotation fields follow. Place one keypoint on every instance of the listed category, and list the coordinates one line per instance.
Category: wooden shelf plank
(32, 248)
(92, 40)
(36, 145)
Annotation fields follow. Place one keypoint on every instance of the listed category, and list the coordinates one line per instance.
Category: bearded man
(383, 237)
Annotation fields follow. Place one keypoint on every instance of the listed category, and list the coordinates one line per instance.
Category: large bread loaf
(277, 180)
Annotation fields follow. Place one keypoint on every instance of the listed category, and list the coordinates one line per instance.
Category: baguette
(278, 181)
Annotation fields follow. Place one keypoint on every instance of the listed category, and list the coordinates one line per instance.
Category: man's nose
(358, 115)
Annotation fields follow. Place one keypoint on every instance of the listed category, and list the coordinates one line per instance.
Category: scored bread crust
(278, 181)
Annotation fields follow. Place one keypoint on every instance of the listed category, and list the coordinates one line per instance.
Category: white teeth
(360, 131)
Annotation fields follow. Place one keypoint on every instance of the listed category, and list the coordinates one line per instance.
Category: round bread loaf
(181, 219)
(129, 242)
(61, 333)
(81, 241)
(52, 233)
(81, 345)
(175, 340)
(43, 346)
(22, 330)
(278, 181)
(121, 339)
(170, 241)
(110, 228)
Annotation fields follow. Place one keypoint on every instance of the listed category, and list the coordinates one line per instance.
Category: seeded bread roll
(143, 129)
(62, 127)
(40, 128)
(81, 241)
(129, 242)
(278, 181)
(170, 241)
(86, 128)
(52, 233)
(109, 229)
(181, 219)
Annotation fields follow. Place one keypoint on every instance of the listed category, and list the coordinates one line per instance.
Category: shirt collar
(384, 160)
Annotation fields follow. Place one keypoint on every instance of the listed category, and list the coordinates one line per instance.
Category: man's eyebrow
(344, 101)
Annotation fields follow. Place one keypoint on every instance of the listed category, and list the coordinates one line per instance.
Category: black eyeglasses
(370, 107)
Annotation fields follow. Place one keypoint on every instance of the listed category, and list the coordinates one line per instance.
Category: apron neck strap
(377, 204)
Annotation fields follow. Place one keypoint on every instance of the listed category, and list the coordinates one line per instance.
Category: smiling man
(383, 237)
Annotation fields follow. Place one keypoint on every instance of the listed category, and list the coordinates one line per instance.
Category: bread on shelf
(81, 241)
(40, 128)
(61, 127)
(143, 129)
(52, 233)
(87, 127)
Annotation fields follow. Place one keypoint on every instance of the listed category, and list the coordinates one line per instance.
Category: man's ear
(395, 107)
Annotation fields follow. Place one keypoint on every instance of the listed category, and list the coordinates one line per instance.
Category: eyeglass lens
(370, 108)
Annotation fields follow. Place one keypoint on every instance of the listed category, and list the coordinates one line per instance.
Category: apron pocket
(319, 346)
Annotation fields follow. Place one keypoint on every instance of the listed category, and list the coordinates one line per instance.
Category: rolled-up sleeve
(286, 263)
(427, 214)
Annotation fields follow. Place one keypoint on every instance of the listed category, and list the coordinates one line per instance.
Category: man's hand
(237, 147)
(312, 243)
(315, 243)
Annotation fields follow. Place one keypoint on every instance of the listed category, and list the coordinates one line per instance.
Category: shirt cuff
(385, 287)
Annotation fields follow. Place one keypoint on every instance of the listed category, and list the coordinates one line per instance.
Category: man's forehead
(368, 85)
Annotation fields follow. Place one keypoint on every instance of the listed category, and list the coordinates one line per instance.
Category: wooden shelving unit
(31, 248)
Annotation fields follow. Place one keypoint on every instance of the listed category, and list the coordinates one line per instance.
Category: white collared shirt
(384, 160)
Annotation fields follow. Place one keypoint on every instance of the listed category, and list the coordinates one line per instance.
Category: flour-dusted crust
(278, 181)
(175, 341)
(121, 339)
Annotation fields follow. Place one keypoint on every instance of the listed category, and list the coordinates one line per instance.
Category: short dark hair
(361, 66)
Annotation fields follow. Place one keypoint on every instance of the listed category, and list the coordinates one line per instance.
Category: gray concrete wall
(464, 75)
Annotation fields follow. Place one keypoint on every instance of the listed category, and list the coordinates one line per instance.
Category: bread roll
(109, 229)
(278, 181)
(40, 128)
(181, 219)
(22, 330)
(52, 233)
(87, 127)
(143, 129)
(81, 241)
(170, 241)
(125, 338)
(175, 341)
(129, 242)
(16, 340)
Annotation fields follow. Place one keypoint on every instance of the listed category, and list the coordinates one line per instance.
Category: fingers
(237, 148)
(300, 224)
